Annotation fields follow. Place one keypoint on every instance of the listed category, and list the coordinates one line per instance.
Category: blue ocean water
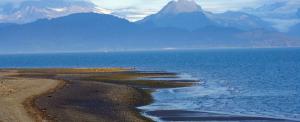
(258, 82)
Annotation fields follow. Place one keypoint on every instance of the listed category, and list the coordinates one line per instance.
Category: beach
(107, 94)
(77, 94)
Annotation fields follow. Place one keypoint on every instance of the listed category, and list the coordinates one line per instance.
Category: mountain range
(32, 10)
(180, 24)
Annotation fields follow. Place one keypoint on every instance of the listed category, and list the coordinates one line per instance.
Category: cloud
(132, 13)
(213, 5)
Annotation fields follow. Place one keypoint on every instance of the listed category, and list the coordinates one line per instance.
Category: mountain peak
(182, 14)
(181, 6)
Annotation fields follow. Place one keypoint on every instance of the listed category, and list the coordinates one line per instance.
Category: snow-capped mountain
(181, 6)
(29, 11)
(187, 14)
(184, 14)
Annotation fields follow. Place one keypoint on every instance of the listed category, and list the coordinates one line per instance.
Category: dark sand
(97, 95)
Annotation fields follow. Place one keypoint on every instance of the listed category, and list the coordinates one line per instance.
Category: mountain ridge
(29, 11)
(96, 32)
(241, 20)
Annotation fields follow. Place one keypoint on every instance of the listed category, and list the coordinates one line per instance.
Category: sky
(211, 5)
(157, 4)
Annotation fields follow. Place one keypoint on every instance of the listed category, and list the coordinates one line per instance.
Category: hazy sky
(157, 4)
(136, 9)
(212, 5)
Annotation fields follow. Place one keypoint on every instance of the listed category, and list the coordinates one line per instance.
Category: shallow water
(258, 82)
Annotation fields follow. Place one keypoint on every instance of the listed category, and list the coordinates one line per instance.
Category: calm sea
(259, 82)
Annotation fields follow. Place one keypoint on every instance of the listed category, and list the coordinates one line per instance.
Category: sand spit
(109, 94)
(15, 91)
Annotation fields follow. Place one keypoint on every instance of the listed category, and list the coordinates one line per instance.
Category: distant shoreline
(150, 50)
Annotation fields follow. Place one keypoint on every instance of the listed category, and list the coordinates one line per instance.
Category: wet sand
(181, 115)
